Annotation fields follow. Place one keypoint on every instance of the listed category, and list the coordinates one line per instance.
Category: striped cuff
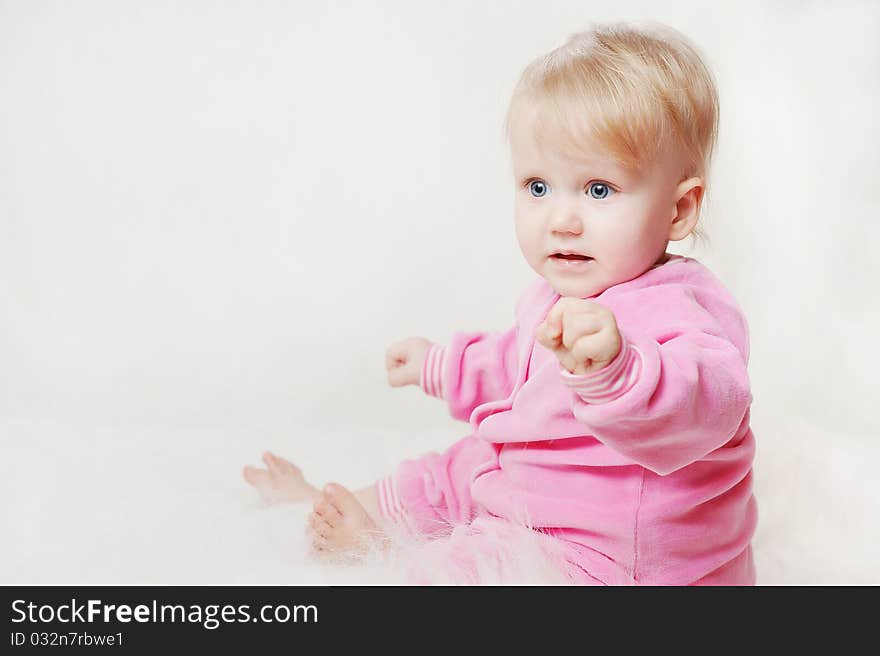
(431, 379)
(610, 382)
(389, 503)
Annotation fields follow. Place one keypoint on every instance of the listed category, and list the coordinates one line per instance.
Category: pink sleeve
(665, 405)
(432, 493)
(474, 368)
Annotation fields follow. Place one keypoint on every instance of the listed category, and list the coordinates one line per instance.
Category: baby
(612, 419)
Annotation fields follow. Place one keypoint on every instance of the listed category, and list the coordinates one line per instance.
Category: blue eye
(600, 190)
(538, 188)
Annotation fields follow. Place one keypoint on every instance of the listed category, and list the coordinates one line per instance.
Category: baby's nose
(567, 222)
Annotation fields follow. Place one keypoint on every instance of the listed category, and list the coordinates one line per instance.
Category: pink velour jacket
(644, 468)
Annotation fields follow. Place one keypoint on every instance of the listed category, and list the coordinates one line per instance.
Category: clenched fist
(404, 361)
(581, 333)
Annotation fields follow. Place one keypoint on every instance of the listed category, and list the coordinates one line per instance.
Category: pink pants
(467, 545)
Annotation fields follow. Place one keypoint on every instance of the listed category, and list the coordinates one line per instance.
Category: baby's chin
(587, 284)
(576, 288)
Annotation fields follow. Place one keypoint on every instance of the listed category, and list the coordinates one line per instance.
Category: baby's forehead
(535, 156)
(533, 140)
(551, 153)
(582, 153)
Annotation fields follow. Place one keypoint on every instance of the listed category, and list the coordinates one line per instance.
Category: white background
(215, 218)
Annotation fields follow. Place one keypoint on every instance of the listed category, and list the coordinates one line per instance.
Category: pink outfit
(641, 470)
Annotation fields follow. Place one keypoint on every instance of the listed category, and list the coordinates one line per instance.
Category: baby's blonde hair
(630, 89)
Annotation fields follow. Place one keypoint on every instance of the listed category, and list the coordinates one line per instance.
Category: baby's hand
(404, 361)
(582, 334)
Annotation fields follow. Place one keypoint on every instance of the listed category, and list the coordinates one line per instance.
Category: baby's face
(613, 224)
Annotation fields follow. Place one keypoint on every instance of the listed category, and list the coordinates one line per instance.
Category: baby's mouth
(570, 256)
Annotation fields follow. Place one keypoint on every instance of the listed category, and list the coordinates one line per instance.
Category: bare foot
(281, 481)
(341, 526)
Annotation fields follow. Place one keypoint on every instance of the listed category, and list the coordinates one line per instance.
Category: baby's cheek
(631, 252)
(529, 245)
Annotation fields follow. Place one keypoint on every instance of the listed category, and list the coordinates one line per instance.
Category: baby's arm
(474, 368)
(664, 402)
(665, 405)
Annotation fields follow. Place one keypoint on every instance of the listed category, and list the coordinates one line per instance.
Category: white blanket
(167, 505)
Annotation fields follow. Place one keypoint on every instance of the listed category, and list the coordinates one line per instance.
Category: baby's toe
(286, 467)
(327, 510)
(341, 499)
(271, 462)
(318, 543)
(318, 525)
(254, 476)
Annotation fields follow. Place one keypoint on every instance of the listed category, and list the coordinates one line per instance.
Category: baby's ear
(689, 195)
